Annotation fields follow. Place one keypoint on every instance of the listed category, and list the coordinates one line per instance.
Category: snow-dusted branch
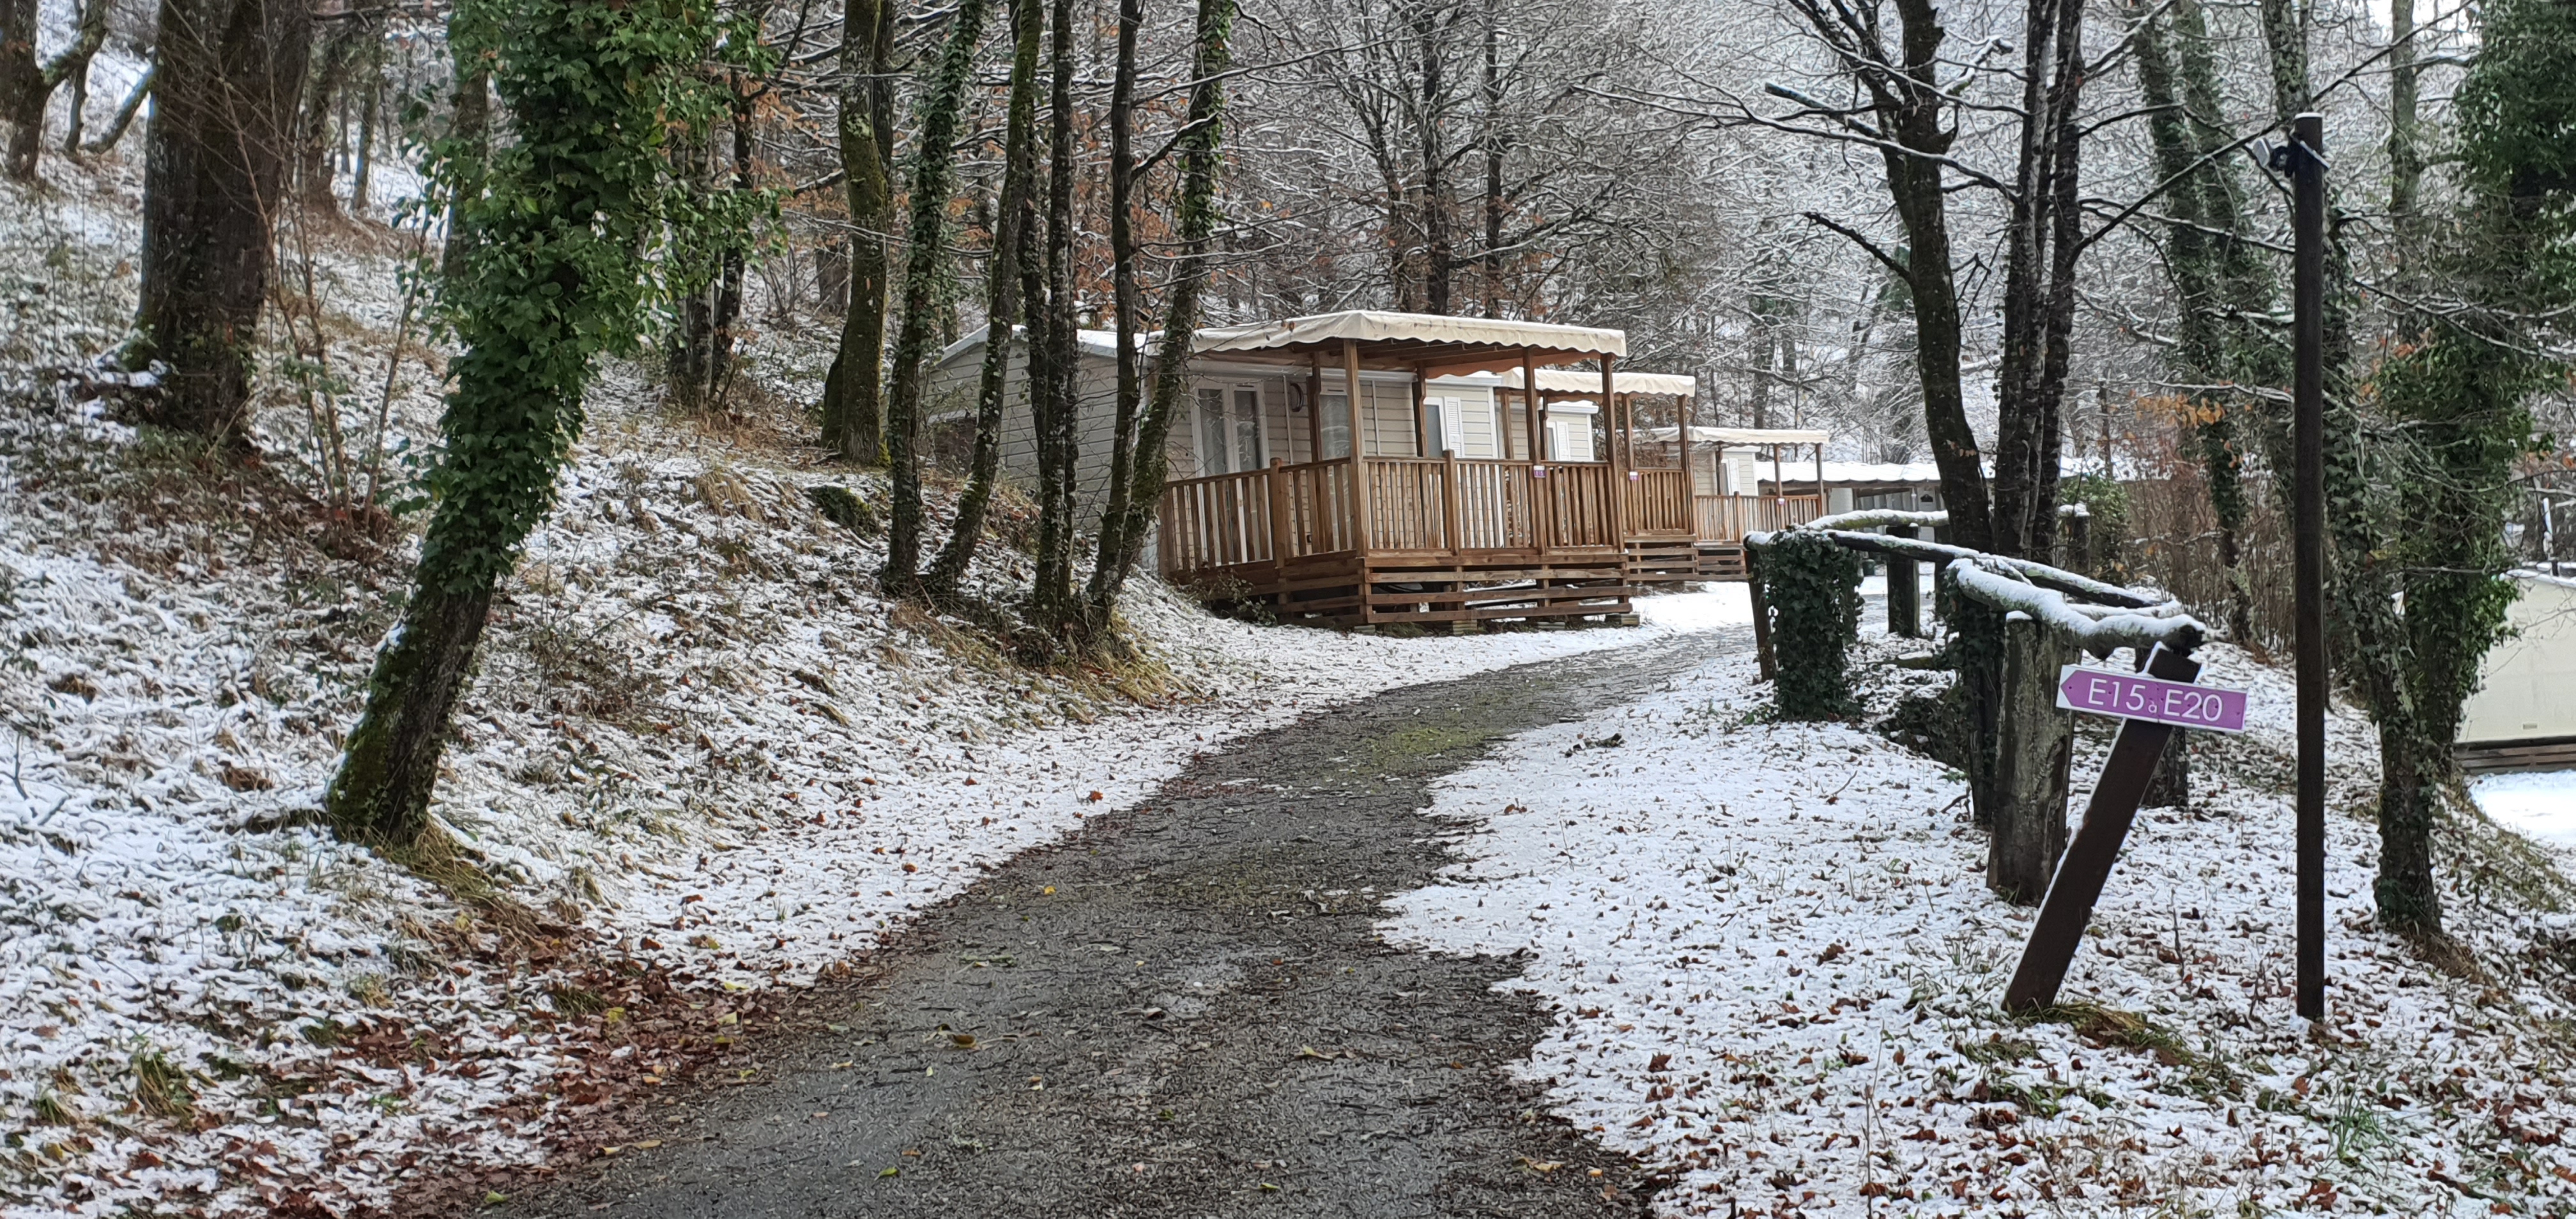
(2100, 630)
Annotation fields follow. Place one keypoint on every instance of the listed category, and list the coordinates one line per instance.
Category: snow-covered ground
(699, 751)
(1776, 970)
(2541, 804)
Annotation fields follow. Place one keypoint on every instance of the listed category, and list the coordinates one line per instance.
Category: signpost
(2150, 706)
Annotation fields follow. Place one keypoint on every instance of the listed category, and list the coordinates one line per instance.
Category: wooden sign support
(2086, 865)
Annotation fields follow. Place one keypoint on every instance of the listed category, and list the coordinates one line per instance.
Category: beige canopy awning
(1570, 381)
(1434, 343)
(1729, 435)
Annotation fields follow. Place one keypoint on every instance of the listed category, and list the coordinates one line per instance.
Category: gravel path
(1182, 1011)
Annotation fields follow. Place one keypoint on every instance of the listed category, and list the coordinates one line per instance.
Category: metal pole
(2308, 296)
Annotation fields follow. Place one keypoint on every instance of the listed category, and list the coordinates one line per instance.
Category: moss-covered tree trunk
(1004, 306)
(550, 277)
(225, 88)
(1122, 536)
(1053, 607)
(1127, 298)
(853, 408)
(925, 263)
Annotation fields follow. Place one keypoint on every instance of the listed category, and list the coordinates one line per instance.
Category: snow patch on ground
(2541, 804)
(1776, 968)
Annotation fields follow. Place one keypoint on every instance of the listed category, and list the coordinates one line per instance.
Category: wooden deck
(1443, 540)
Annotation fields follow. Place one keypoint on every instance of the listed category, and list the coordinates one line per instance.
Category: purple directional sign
(2136, 696)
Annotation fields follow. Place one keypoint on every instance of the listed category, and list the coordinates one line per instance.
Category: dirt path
(1198, 1020)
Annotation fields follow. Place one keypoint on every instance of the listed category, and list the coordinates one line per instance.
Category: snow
(1775, 970)
(2097, 629)
(2541, 804)
(698, 749)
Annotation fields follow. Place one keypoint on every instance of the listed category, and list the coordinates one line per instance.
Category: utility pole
(2307, 156)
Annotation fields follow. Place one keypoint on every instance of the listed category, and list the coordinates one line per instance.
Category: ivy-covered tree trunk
(1122, 536)
(925, 262)
(1004, 305)
(550, 278)
(1056, 409)
(2202, 217)
(227, 75)
(853, 413)
(1127, 298)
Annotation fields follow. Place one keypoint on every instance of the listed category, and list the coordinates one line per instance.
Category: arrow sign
(2136, 696)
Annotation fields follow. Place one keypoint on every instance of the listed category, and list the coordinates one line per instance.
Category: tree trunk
(2041, 243)
(1439, 257)
(729, 278)
(1912, 109)
(22, 97)
(688, 352)
(1122, 540)
(313, 129)
(2035, 748)
(853, 413)
(1004, 306)
(1128, 299)
(1495, 146)
(389, 768)
(469, 134)
(924, 265)
(1053, 608)
(555, 265)
(369, 115)
(26, 86)
(2198, 206)
(216, 155)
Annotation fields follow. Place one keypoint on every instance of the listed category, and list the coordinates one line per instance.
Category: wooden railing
(1413, 504)
(1727, 518)
(1257, 516)
(1659, 503)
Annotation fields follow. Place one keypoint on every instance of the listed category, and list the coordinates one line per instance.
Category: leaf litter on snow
(1777, 971)
(700, 759)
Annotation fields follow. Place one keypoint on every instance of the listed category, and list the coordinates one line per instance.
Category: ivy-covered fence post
(1811, 589)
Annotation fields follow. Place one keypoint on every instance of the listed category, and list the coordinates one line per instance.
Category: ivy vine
(1812, 589)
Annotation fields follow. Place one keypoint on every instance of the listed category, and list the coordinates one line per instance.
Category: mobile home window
(1337, 425)
(1247, 429)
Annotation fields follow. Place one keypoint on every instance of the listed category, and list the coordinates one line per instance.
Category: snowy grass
(1776, 971)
